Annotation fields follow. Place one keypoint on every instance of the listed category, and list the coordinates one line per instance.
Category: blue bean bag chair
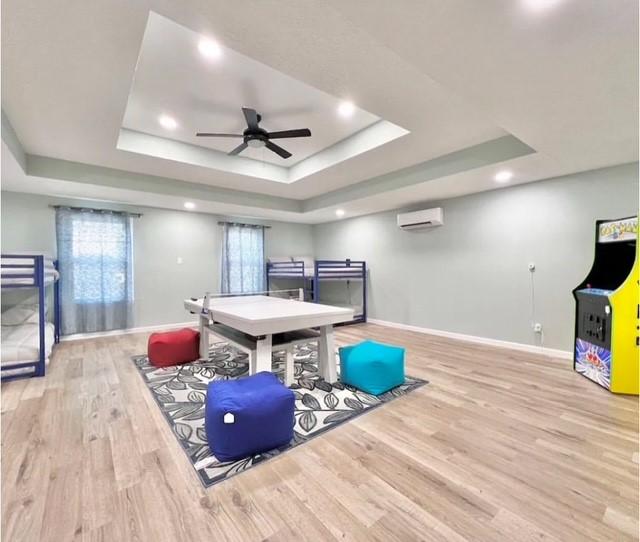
(248, 416)
(372, 367)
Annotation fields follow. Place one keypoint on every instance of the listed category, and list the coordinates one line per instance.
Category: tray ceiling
(560, 77)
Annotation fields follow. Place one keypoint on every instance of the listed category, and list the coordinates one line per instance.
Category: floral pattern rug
(180, 392)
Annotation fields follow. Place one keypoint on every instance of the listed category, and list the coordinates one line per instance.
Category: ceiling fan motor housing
(255, 138)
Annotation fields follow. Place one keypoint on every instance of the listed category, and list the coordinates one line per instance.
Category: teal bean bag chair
(372, 367)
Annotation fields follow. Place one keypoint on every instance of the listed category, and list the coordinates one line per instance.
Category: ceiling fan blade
(303, 132)
(251, 116)
(208, 134)
(239, 148)
(278, 150)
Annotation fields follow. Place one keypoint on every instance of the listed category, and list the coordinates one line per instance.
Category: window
(242, 259)
(99, 246)
(96, 270)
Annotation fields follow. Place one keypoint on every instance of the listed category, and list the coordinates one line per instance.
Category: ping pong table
(263, 323)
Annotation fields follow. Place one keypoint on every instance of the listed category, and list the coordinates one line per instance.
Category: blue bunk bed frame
(34, 273)
(323, 270)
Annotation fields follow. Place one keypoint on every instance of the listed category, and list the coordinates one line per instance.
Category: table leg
(288, 366)
(252, 362)
(203, 322)
(263, 354)
(327, 355)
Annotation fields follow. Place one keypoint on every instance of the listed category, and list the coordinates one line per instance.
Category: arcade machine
(608, 310)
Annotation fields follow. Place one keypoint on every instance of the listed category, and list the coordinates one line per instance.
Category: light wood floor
(502, 445)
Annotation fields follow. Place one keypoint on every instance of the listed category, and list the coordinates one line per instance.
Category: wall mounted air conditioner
(428, 218)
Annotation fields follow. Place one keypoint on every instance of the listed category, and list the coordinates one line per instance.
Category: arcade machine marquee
(608, 310)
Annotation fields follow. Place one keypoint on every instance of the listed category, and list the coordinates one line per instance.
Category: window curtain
(243, 268)
(95, 258)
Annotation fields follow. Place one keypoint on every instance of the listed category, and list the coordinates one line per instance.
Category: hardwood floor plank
(127, 462)
(626, 523)
(63, 522)
(99, 487)
(290, 510)
(11, 394)
(318, 502)
(520, 529)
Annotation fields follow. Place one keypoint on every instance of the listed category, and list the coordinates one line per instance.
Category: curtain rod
(223, 223)
(92, 210)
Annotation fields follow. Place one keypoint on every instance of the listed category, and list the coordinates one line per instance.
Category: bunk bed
(27, 337)
(312, 274)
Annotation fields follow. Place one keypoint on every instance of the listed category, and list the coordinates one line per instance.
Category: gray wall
(160, 237)
(470, 276)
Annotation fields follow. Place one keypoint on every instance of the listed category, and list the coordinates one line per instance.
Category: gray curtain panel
(243, 267)
(95, 258)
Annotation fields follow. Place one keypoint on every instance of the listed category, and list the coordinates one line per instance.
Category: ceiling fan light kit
(257, 137)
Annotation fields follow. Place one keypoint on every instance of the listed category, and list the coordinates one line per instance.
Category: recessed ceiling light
(540, 5)
(503, 176)
(189, 205)
(167, 122)
(346, 109)
(339, 212)
(209, 49)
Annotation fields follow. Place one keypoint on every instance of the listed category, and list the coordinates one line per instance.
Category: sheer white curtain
(243, 267)
(95, 258)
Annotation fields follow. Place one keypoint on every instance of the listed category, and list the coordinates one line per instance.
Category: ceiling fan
(254, 136)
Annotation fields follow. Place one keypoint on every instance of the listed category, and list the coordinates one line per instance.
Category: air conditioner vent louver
(428, 218)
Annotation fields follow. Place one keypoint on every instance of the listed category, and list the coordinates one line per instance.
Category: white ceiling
(561, 78)
(206, 95)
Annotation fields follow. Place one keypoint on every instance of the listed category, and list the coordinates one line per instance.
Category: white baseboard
(551, 352)
(145, 329)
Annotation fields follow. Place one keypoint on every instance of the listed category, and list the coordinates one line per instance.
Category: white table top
(261, 315)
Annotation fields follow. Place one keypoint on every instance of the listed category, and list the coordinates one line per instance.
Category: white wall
(160, 237)
(470, 276)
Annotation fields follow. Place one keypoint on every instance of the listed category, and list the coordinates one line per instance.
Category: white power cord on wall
(533, 322)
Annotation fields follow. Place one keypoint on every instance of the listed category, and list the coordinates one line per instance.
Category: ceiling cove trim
(163, 188)
(369, 138)
(53, 168)
(474, 157)
(11, 140)
(186, 153)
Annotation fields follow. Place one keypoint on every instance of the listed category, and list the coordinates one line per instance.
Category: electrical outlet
(537, 327)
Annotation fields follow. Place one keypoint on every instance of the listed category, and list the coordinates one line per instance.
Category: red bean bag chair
(173, 347)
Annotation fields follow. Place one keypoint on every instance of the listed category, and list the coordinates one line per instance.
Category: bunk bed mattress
(50, 272)
(291, 273)
(22, 343)
(50, 276)
(26, 258)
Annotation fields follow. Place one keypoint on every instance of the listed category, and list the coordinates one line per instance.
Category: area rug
(180, 393)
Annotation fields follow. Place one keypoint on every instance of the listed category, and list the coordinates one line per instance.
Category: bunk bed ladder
(351, 270)
(56, 306)
(39, 280)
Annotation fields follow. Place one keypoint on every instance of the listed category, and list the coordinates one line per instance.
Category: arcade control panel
(594, 316)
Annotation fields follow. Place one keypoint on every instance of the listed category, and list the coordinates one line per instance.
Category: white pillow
(308, 261)
(20, 315)
(280, 259)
